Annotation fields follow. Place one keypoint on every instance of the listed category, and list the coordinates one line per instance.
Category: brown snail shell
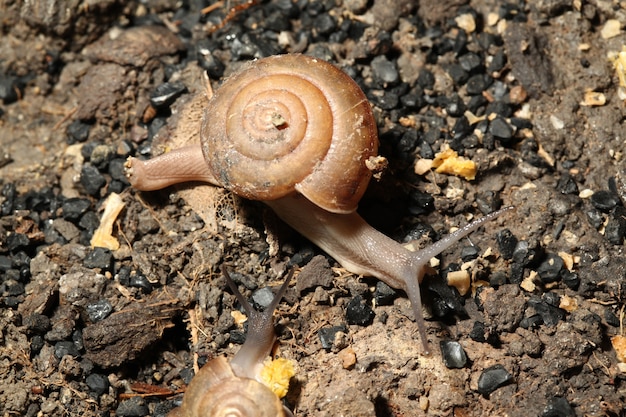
(217, 392)
(291, 123)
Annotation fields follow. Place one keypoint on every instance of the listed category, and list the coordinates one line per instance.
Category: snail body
(236, 389)
(307, 105)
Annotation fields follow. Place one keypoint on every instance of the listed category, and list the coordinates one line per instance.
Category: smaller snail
(237, 389)
(297, 133)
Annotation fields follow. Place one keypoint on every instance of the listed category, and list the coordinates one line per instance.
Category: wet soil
(97, 332)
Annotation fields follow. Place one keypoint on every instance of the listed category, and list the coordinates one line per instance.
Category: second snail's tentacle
(261, 336)
(178, 166)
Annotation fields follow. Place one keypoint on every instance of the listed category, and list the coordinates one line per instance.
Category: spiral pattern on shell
(216, 392)
(291, 123)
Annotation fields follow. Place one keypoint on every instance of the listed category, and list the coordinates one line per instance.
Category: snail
(238, 389)
(275, 110)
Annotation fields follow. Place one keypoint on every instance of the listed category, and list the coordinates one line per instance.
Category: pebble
(133, 407)
(65, 347)
(165, 94)
(74, 208)
(77, 132)
(5, 263)
(567, 185)
(507, 243)
(262, 298)
(478, 83)
(615, 230)
(327, 335)
(101, 155)
(470, 62)
(99, 258)
(98, 383)
(17, 241)
(91, 179)
(9, 87)
(453, 354)
(493, 378)
(140, 281)
(206, 60)
(558, 407)
(384, 70)
(550, 268)
(469, 253)
(500, 128)
(605, 200)
(358, 312)
(384, 294)
(550, 315)
(99, 310)
(315, 274)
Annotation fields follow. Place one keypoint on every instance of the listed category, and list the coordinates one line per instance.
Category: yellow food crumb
(448, 161)
(276, 375)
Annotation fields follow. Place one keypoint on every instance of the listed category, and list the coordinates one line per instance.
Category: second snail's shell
(216, 392)
(291, 123)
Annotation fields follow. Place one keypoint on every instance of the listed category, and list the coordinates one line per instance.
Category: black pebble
(611, 318)
(116, 170)
(594, 217)
(73, 208)
(469, 252)
(384, 294)
(89, 221)
(550, 269)
(550, 315)
(558, 407)
(470, 62)
(8, 88)
(453, 354)
(426, 79)
(206, 60)
(134, 407)
(140, 281)
(91, 179)
(507, 243)
(500, 128)
(5, 263)
(571, 279)
(605, 200)
(17, 241)
(493, 378)
(458, 74)
(97, 383)
(527, 253)
(99, 258)
(37, 343)
(421, 203)
(325, 24)
(77, 132)
(358, 312)
(165, 94)
(476, 84)
(99, 310)
(327, 335)
(615, 230)
(65, 347)
(567, 185)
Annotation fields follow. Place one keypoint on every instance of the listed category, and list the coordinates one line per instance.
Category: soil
(97, 332)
